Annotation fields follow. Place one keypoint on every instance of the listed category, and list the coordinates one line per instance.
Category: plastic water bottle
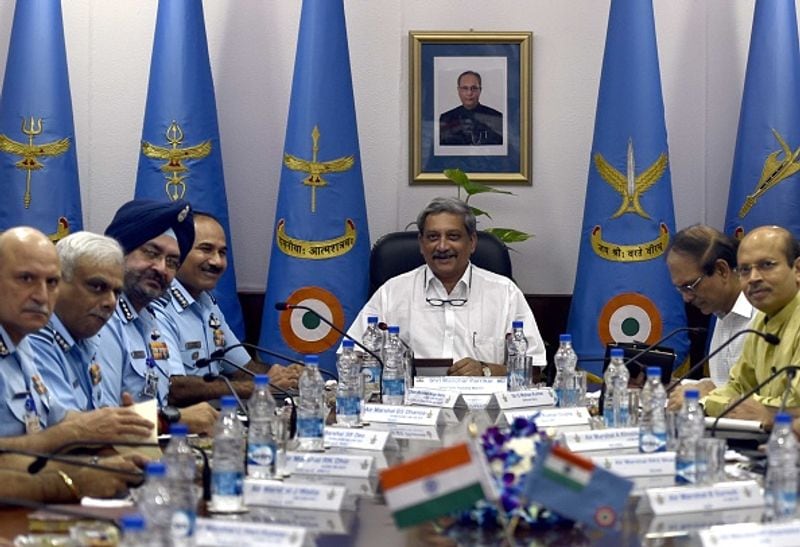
(564, 384)
(615, 407)
(134, 532)
(227, 471)
(653, 423)
(394, 378)
(261, 445)
(371, 367)
(155, 505)
(311, 411)
(780, 484)
(516, 350)
(348, 391)
(181, 469)
(691, 425)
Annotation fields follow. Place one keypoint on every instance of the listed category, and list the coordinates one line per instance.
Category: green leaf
(479, 212)
(458, 177)
(509, 235)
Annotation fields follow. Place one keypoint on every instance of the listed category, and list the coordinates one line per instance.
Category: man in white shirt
(450, 308)
(702, 265)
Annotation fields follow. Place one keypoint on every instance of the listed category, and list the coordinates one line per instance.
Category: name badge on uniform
(194, 344)
(150, 379)
(32, 424)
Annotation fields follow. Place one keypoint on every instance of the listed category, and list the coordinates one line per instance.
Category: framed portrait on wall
(470, 105)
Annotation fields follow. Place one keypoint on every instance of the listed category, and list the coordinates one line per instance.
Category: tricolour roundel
(629, 317)
(303, 331)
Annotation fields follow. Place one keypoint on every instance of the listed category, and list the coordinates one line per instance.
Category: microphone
(768, 337)
(662, 340)
(211, 376)
(40, 460)
(207, 362)
(58, 509)
(791, 369)
(217, 355)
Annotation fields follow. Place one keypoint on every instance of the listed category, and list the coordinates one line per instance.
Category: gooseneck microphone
(768, 337)
(791, 370)
(212, 376)
(217, 355)
(41, 459)
(207, 362)
(58, 510)
(653, 346)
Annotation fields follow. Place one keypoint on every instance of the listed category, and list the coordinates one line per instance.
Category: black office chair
(661, 356)
(398, 252)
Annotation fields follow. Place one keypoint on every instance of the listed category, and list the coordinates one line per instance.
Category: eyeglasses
(153, 254)
(690, 288)
(455, 302)
(765, 266)
(466, 88)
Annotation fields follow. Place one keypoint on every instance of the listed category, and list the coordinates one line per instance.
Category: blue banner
(320, 251)
(765, 187)
(38, 161)
(181, 155)
(623, 291)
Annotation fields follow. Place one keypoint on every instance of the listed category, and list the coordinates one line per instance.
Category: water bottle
(155, 505)
(181, 469)
(615, 407)
(348, 391)
(516, 350)
(394, 379)
(691, 425)
(653, 423)
(311, 411)
(780, 484)
(261, 444)
(564, 384)
(371, 367)
(134, 533)
(227, 471)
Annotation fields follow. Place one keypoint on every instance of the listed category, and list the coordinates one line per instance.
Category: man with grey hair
(450, 308)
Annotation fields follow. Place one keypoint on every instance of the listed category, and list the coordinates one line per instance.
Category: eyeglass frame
(690, 288)
(472, 88)
(763, 266)
(455, 302)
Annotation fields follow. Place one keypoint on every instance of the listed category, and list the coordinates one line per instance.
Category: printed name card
(524, 399)
(782, 534)
(362, 439)
(272, 493)
(464, 384)
(397, 414)
(337, 465)
(602, 439)
(684, 524)
(688, 499)
(551, 417)
(639, 465)
(407, 431)
(442, 398)
(224, 533)
(314, 522)
(479, 402)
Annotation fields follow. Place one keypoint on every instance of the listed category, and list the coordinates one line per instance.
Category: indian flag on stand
(425, 488)
(567, 469)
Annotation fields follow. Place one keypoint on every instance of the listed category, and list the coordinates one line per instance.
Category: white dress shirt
(477, 329)
(735, 320)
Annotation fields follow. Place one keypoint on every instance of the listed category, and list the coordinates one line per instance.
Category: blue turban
(141, 220)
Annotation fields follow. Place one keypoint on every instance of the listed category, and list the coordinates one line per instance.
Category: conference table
(371, 524)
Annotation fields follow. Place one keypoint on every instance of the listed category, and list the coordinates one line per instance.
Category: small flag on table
(575, 488)
(440, 483)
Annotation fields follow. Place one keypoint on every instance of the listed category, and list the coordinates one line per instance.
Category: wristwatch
(171, 414)
(487, 371)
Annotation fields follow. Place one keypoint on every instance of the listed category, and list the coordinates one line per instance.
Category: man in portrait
(472, 123)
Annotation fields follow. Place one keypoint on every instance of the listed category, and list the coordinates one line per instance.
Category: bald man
(769, 273)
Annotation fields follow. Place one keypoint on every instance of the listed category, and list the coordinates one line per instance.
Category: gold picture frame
(488, 135)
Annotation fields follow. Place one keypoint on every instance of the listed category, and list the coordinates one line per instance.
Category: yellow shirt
(759, 359)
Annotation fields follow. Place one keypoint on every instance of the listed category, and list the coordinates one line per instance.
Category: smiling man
(191, 314)
(769, 274)
(450, 308)
(472, 123)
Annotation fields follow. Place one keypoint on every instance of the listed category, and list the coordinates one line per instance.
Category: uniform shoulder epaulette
(212, 297)
(3, 348)
(179, 298)
(60, 341)
(126, 310)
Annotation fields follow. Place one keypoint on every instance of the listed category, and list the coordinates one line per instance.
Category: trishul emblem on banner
(315, 168)
(30, 152)
(175, 156)
(775, 170)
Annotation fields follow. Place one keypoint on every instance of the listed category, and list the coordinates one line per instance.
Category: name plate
(442, 398)
(408, 431)
(639, 465)
(479, 402)
(783, 534)
(464, 384)
(602, 439)
(271, 493)
(314, 522)
(551, 417)
(688, 499)
(212, 532)
(664, 526)
(525, 399)
(337, 465)
(397, 414)
(362, 439)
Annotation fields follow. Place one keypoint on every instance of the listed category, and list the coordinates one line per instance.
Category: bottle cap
(617, 353)
(178, 430)
(311, 360)
(565, 338)
(155, 469)
(394, 329)
(132, 522)
(227, 402)
(653, 372)
(783, 418)
(372, 320)
(261, 380)
(348, 344)
(691, 394)
(516, 324)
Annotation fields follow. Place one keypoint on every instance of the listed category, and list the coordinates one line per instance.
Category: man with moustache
(156, 237)
(769, 272)
(471, 123)
(191, 315)
(450, 308)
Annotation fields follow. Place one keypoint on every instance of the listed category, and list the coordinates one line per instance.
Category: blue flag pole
(38, 161)
(181, 155)
(765, 187)
(622, 290)
(320, 251)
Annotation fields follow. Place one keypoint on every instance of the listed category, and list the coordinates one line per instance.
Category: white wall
(703, 50)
